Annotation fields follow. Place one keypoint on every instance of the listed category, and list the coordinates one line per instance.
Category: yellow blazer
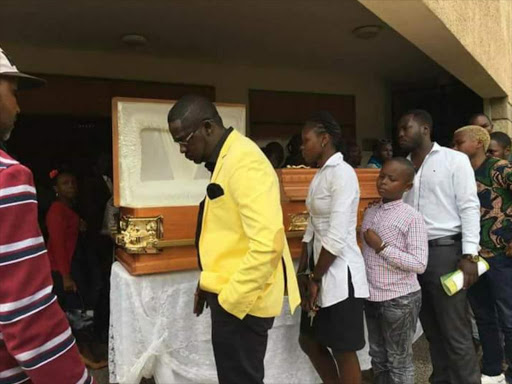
(243, 244)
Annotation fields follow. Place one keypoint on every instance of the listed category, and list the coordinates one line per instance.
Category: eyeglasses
(187, 139)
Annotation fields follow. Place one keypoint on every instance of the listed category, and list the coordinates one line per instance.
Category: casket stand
(152, 329)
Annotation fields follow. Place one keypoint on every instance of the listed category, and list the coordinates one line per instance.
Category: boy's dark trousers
(391, 328)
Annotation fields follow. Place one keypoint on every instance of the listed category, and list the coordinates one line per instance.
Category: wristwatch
(472, 258)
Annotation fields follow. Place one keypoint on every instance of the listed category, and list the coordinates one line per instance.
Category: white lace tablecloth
(154, 333)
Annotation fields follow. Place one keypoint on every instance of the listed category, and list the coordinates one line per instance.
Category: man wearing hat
(36, 343)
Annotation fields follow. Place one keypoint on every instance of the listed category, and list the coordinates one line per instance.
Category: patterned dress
(494, 184)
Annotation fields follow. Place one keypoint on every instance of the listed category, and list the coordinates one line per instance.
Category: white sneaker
(493, 379)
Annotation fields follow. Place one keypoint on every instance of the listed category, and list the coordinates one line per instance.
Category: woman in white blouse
(332, 279)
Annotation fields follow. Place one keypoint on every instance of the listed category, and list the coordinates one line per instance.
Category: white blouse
(332, 202)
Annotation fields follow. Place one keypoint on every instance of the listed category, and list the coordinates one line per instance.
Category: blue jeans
(491, 301)
(391, 327)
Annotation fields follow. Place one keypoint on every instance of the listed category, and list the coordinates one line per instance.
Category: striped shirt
(393, 272)
(36, 344)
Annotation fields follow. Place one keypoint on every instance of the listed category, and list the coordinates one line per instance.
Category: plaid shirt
(36, 343)
(393, 272)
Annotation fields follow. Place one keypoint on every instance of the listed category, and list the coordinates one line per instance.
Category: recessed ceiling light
(367, 32)
(134, 40)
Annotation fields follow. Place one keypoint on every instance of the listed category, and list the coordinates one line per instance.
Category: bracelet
(303, 273)
(317, 280)
(382, 247)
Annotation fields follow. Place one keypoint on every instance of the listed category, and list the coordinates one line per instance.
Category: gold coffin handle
(139, 234)
(298, 221)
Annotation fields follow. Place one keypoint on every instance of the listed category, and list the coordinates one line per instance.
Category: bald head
(196, 126)
(192, 109)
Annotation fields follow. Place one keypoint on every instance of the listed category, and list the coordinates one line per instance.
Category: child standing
(395, 249)
(491, 296)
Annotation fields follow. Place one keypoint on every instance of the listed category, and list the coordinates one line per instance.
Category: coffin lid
(149, 170)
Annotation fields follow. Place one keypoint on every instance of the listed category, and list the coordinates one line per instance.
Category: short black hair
(381, 143)
(294, 144)
(502, 139)
(421, 116)
(266, 151)
(327, 124)
(410, 172)
(475, 115)
(277, 150)
(192, 109)
(347, 146)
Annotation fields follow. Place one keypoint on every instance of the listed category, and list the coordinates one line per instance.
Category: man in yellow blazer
(243, 254)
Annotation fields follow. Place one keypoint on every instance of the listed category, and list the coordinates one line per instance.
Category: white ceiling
(297, 33)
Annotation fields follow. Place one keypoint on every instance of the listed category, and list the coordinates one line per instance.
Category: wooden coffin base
(172, 259)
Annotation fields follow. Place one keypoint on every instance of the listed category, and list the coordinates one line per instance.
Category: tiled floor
(101, 377)
(422, 361)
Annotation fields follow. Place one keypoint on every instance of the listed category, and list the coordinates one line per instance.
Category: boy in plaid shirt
(395, 249)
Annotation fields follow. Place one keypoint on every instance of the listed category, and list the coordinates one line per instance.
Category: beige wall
(484, 28)
(472, 39)
(231, 82)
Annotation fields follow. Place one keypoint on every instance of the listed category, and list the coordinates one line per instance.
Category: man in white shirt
(445, 193)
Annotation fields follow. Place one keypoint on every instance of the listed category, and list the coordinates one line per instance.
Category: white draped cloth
(153, 333)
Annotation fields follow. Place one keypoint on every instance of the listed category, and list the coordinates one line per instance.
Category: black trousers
(491, 300)
(239, 346)
(446, 322)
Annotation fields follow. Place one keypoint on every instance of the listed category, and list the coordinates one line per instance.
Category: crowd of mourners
(436, 248)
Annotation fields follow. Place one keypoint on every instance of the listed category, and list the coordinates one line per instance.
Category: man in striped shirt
(36, 344)
(395, 250)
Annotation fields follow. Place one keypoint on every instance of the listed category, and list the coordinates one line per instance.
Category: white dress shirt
(332, 202)
(445, 193)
